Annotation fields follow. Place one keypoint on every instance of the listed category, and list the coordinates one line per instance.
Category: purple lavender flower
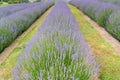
(105, 14)
(52, 48)
(19, 21)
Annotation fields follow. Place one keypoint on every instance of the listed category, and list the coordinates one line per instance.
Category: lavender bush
(89, 10)
(5, 11)
(97, 10)
(57, 52)
(113, 24)
(13, 25)
(116, 2)
(105, 14)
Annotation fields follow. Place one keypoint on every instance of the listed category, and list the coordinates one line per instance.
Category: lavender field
(60, 40)
(105, 14)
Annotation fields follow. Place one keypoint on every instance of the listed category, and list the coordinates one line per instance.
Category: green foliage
(23, 1)
(16, 1)
(5, 36)
(113, 24)
(13, 2)
(102, 16)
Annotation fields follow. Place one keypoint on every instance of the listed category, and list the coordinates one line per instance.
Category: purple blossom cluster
(57, 52)
(6, 11)
(103, 13)
(13, 25)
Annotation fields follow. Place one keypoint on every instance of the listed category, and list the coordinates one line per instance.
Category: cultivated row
(105, 14)
(116, 2)
(13, 25)
(57, 52)
(5, 11)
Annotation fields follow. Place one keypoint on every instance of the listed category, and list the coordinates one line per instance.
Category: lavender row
(5, 11)
(15, 24)
(116, 2)
(105, 14)
(57, 52)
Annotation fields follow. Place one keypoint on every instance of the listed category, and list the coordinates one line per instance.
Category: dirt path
(9, 49)
(104, 34)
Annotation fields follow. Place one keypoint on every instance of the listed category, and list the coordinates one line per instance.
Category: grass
(105, 54)
(3, 4)
(7, 66)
